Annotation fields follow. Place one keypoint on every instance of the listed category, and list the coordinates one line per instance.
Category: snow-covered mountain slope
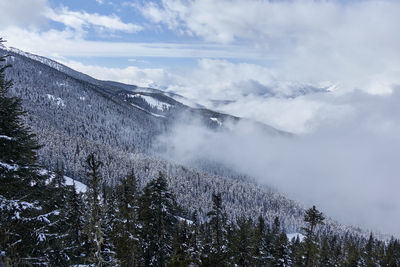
(103, 117)
(154, 102)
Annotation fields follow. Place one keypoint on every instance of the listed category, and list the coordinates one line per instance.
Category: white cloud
(312, 41)
(80, 20)
(129, 75)
(68, 43)
(348, 166)
(21, 12)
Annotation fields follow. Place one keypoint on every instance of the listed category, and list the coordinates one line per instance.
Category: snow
(216, 120)
(155, 115)
(295, 235)
(184, 220)
(154, 103)
(5, 137)
(79, 187)
(186, 101)
(60, 84)
(58, 100)
(42, 60)
(9, 167)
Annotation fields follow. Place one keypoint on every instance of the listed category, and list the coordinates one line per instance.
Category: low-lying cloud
(347, 165)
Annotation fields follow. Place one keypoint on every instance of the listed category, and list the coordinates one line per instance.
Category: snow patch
(216, 120)
(155, 115)
(152, 102)
(9, 167)
(6, 137)
(59, 101)
(184, 220)
(79, 187)
(295, 235)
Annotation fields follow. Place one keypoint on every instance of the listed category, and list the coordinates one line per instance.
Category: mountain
(74, 114)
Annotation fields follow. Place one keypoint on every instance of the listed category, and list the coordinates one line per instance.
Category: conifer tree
(262, 247)
(217, 225)
(157, 219)
(94, 227)
(126, 232)
(281, 251)
(312, 218)
(181, 246)
(195, 241)
(25, 210)
(242, 245)
(77, 239)
(109, 225)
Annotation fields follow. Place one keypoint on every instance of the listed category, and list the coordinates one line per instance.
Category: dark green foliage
(181, 246)
(157, 219)
(216, 245)
(312, 218)
(281, 251)
(125, 232)
(26, 210)
(241, 245)
(261, 243)
(94, 225)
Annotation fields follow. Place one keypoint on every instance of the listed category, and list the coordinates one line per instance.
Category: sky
(325, 70)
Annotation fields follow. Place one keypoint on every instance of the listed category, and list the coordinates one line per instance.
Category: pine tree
(218, 241)
(369, 257)
(281, 251)
(77, 239)
(242, 245)
(312, 218)
(126, 232)
(94, 227)
(262, 247)
(181, 246)
(195, 241)
(26, 210)
(157, 221)
(109, 225)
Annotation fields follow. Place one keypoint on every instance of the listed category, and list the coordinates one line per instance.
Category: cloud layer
(348, 166)
(353, 43)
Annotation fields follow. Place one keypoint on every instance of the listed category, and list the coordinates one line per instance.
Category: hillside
(74, 115)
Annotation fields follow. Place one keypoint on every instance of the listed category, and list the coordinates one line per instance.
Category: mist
(347, 164)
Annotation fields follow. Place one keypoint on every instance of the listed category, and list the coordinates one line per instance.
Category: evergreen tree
(126, 232)
(77, 239)
(217, 226)
(195, 241)
(181, 246)
(281, 251)
(157, 222)
(312, 218)
(94, 227)
(368, 255)
(241, 245)
(262, 246)
(109, 225)
(26, 213)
